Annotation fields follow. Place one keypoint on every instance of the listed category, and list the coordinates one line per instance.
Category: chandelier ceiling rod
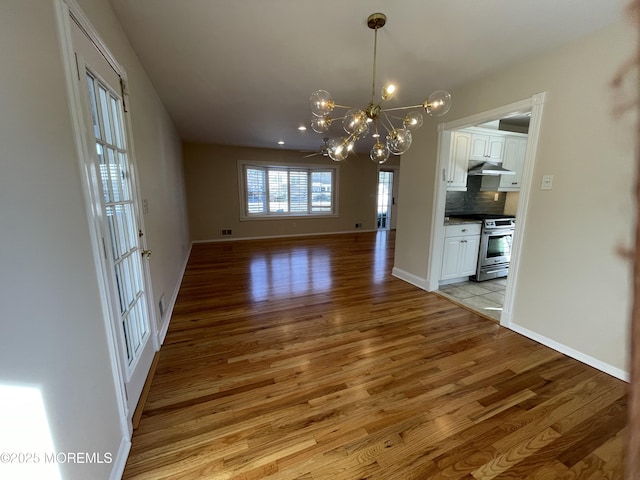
(375, 21)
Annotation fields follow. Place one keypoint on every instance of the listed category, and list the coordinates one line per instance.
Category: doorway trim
(535, 104)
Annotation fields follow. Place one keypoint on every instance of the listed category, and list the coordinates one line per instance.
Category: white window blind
(275, 190)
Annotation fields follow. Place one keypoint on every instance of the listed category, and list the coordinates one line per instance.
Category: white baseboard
(120, 460)
(410, 278)
(266, 237)
(582, 357)
(172, 302)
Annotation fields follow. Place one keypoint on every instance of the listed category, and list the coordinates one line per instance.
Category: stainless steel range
(496, 239)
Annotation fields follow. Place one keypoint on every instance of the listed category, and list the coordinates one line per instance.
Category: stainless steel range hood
(488, 168)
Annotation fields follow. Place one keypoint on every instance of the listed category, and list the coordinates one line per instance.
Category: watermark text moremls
(78, 457)
(55, 457)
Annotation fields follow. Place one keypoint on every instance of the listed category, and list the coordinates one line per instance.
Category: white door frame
(65, 10)
(535, 104)
(395, 169)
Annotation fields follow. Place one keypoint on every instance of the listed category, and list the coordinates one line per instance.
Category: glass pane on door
(385, 188)
(118, 201)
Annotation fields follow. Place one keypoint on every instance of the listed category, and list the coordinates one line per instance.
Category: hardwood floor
(305, 359)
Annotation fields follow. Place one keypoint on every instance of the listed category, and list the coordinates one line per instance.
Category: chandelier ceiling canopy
(357, 123)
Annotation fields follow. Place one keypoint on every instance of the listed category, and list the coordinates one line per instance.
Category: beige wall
(52, 334)
(211, 175)
(573, 287)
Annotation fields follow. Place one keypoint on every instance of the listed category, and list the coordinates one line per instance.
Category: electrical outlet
(358, 225)
(226, 231)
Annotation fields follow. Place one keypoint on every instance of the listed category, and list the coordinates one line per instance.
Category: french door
(113, 194)
(386, 199)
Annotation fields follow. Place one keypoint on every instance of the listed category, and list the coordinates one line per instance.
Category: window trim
(246, 216)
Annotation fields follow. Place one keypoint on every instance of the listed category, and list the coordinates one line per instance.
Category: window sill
(288, 217)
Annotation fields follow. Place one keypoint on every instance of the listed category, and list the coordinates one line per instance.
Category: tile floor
(486, 297)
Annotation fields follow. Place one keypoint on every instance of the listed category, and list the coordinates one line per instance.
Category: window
(275, 191)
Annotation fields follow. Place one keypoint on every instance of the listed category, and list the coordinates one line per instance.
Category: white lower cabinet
(460, 253)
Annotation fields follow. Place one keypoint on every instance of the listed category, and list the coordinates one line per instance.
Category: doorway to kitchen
(386, 206)
(445, 225)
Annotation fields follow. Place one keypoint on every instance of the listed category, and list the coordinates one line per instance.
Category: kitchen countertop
(459, 221)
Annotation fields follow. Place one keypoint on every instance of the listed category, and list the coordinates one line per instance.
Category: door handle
(145, 253)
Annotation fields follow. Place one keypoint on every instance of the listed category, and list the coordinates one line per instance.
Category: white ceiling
(240, 72)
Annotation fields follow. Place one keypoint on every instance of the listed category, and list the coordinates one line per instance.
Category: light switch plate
(547, 182)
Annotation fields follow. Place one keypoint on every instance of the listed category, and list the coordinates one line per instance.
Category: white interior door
(386, 198)
(114, 198)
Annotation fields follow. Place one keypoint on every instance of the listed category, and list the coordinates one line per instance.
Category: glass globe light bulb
(355, 122)
(388, 91)
(379, 153)
(320, 124)
(438, 103)
(413, 120)
(349, 143)
(362, 130)
(399, 141)
(321, 103)
(337, 150)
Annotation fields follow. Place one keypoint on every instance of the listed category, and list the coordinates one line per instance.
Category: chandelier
(357, 123)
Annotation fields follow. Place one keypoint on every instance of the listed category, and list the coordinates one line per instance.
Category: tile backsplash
(474, 201)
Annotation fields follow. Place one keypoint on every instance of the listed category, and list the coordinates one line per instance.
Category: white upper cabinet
(487, 148)
(515, 149)
(480, 145)
(458, 161)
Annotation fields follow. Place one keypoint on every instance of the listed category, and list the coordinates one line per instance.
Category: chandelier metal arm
(386, 117)
(403, 108)
(336, 119)
(395, 117)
